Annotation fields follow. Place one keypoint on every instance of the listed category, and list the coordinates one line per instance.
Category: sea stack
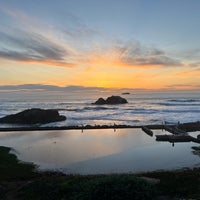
(111, 100)
(33, 116)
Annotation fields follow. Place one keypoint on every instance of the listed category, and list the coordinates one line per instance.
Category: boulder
(111, 100)
(100, 101)
(33, 116)
(116, 100)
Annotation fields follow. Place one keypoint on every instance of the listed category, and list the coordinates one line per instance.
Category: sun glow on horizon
(41, 47)
(98, 73)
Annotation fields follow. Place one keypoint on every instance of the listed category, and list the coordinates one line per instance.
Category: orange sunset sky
(112, 44)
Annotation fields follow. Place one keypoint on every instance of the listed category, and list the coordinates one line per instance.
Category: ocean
(142, 108)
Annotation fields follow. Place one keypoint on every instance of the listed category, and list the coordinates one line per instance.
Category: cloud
(194, 64)
(135, 54)
(48, 88)
(190, 73)
(77, 29)
(32, 41)
(26, 39)
(183, 86)
(191, 53)
(31, 46)
(132, 54)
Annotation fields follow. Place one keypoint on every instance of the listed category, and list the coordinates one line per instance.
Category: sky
(138, 44)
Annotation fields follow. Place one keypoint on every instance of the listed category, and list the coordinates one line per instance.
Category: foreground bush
(13, 169)
(118, 187)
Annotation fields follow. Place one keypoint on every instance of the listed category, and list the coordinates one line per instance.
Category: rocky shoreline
(189, 127)
(32, 119)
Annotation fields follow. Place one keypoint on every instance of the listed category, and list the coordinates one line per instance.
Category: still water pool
(99, 151)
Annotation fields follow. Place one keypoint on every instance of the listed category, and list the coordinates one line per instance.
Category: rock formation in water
(100, 101)
(33, 116)
(125, 93)
(111, 100)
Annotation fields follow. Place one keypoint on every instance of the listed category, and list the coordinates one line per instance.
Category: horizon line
(49, 87)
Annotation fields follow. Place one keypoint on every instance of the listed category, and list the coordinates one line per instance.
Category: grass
(21, 181)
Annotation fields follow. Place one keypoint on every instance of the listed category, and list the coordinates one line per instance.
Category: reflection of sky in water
(99, 151)
(195, 134)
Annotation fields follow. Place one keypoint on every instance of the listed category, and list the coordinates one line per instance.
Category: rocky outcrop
(125, 93)
(100, 101)
(111, 100)
(33, 116)
(190, 127)
(116, 100)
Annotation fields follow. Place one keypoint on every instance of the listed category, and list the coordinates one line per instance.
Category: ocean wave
(177, 104)
(100, 108)
(110, 118)
(79, 109)
(156, 121)
(70, 109)
(117, 111)
(143, 111)
(180, 111)
(85, 109)
(184, 100)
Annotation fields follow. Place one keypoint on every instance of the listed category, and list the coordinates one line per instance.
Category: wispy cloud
(195, 72)
(30, 42)
(135, 54)
(49, 88)
(194, 64)
(191, 53)
(77, 29)
(33, 47)
(183, 86)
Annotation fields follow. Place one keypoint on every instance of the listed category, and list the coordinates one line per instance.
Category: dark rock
(100, 101)
(124, 93)
(33, 116)
(190, 127)
(116, 100)
(111, 100)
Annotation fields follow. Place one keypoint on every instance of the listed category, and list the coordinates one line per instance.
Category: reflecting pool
(99, 151)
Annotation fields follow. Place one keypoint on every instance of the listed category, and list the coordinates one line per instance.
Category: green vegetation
(12, 169)
(183, 183)
(118, 187)
(21, 181)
